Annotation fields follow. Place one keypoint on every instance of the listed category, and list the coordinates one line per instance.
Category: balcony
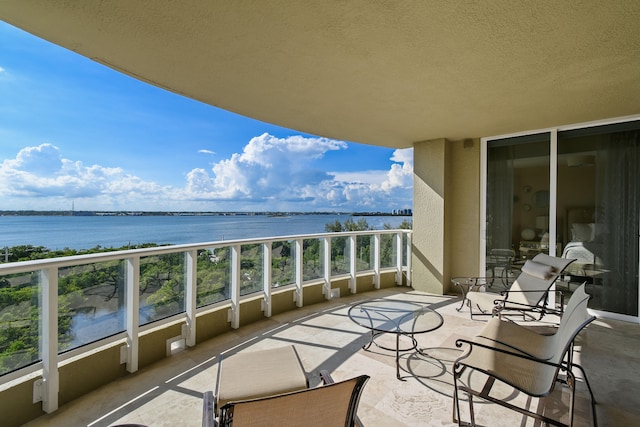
(172, 372)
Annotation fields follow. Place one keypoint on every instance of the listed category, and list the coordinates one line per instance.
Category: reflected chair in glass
(500, 261)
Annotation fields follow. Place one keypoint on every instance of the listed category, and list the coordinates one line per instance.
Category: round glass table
(402, 318)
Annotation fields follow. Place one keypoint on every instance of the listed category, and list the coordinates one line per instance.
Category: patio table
(402, 318)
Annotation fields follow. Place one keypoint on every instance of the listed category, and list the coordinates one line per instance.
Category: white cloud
(401, 174)
(269, 174)
(203, 151)
(268, 168)
(42, 172)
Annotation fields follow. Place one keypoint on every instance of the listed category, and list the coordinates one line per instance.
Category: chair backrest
(332, 405)
(574, 319)
(531, 290)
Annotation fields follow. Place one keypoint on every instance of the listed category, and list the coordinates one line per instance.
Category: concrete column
(428, 258)
(446, 224)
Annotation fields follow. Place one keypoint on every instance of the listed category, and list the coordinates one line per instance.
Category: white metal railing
(54, 270)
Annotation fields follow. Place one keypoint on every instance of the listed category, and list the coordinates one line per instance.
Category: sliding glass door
(575, 194)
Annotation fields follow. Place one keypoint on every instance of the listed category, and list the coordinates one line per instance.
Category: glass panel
(364, 255)
(214, 275)
(340, 255)
(250, 269)
(598, 211)
(161, 286)
(19, 321)
(388, 250)
(283, 263)
(517, 202)
(91, 303)
(312, 265)
(405, 253)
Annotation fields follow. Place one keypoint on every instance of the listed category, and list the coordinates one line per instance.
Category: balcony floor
(169, 393)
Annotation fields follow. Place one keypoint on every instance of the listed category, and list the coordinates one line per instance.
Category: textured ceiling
(387, 73)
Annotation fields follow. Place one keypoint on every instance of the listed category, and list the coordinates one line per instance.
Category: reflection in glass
(340, 255)
(364, 253)
(312, 254)
(388, 250)
(283, 263)
(19, 321)
(214, 275)
(91, 303)
(162, 284)
(599, 200)
(251, 268)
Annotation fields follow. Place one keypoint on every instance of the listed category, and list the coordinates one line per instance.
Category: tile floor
(169, 393)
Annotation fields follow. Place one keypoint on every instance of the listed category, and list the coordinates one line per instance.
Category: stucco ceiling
(387, 73)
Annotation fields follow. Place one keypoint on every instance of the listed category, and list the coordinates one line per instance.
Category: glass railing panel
(364, 252)
(405, 238)
(214, 276)
(251, 261)
(91, 303)
(162, 286)
(19, 321)
(312, 259)
(340, 255)
(283, 263)
(388, 250)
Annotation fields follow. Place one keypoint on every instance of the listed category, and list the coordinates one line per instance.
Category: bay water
(84, 232)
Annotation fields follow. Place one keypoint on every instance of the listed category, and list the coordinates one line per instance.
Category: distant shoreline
(170, 213)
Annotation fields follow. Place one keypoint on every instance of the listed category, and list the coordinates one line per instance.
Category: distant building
(403, 212)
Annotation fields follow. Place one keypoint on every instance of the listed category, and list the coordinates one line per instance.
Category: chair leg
(457, 373)
(456, 404)
(472, 415)
(593, 399)
(571, 382)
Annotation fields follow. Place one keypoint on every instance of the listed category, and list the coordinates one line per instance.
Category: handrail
(128, 300)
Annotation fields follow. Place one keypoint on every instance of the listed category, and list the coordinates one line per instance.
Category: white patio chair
(528, 294)
(525, 360)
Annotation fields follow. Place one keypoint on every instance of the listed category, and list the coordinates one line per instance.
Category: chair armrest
(326, 377)
(208, 420)
(515, 353)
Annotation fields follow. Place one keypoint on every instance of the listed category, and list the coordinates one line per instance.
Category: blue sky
(74, 131)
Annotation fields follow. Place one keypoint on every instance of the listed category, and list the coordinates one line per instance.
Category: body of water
(84, 232)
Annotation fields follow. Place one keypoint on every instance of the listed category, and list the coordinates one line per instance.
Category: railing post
(266, 278)
(353, 281)
(49, 328)
(376, 260)
(132, 314)
(191, 301)
(234, 312)
(326, 289)
(299, 254)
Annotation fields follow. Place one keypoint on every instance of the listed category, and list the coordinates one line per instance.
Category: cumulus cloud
(269, 174)
(41, 171)
(268, 168)
(281, 172)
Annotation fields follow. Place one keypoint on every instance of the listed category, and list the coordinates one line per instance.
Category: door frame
(553, 189)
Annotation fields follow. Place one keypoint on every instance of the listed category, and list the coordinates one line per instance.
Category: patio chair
(525, 360)
(528, 294)
(331, 405)
(255, 374)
